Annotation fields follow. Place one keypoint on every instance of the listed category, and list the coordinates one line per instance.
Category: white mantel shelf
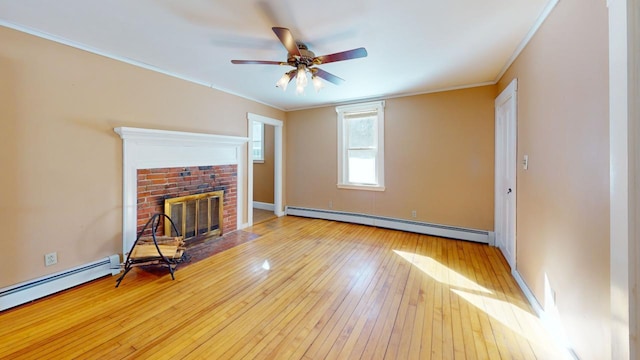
(152, 135)
(150, 148)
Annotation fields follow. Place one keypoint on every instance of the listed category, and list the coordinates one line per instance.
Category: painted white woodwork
(263, 206)
(534, 29)
(343, 160)
(148, 148)
(624, 149)
(277, 164)
(548, 315)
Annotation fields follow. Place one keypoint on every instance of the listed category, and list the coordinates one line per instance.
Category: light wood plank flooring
(260, 215)
(305, 289)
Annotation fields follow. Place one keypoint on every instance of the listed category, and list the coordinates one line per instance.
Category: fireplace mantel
(149, 148)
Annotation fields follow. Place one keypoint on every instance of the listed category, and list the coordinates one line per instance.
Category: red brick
(159, 171)
(156, 176)
(173, 185)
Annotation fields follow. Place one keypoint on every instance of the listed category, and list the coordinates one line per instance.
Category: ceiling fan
(304, 60)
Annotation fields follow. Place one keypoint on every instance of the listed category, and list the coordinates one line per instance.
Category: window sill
(258, 161)
(361, 187)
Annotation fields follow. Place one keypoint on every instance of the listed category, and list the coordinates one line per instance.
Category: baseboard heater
(50, 284)
(453, 232)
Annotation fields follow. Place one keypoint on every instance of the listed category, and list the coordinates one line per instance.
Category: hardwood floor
(260, 215)
(305, 289)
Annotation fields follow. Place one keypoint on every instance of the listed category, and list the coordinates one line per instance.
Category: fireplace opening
(195, 216)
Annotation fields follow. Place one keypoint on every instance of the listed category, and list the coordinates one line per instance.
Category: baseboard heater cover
(481, 236)
(50, 284)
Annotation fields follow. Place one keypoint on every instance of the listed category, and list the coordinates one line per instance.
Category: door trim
(277, 167)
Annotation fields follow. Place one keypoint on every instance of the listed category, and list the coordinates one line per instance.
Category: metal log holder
(160, 258)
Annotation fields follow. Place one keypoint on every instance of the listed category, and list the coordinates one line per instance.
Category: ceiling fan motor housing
(306, 56)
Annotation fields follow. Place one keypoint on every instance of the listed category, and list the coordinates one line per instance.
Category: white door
(505, 178)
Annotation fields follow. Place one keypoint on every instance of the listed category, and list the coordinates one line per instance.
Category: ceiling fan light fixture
(317, 83)
(301, 79)
(284, 81)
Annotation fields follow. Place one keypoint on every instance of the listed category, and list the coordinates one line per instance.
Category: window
(258, 142)
(361, 146)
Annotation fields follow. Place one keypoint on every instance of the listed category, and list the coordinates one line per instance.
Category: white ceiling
(414, 46)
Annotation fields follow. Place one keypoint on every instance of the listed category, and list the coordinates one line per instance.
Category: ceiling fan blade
(263, 62)
(287, 40)
(327, 76)
(345, 55)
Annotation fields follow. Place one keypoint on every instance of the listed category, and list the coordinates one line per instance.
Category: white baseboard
(50, 284)
(550, 325)
(452, 232)
(527, 293)
(263, 206)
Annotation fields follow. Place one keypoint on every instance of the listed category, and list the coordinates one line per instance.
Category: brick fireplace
(157, 185)
(192, 157)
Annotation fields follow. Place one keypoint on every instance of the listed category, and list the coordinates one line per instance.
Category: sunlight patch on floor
(441, 273)
(517, 320)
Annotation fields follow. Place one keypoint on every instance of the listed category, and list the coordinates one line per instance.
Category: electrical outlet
(330, 204)
(414, 214)
(51, 259)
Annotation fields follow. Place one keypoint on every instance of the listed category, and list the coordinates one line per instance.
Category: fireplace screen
(196, 216)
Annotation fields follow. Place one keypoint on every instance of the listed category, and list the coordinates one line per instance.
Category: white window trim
(258, 161)
(341, 110)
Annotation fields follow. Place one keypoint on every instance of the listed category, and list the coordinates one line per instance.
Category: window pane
(362, 132)
(257, 131)
(257, 148)
(361, 166)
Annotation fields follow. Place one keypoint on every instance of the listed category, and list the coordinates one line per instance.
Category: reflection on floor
(260, 215)
(295, 288)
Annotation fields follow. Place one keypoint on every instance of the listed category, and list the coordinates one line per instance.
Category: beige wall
(61, 161)
(263, 172)
(61, 182)
(563, 198)
(438, 161)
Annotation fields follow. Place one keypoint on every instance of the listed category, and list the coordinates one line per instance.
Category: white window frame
(258, 160)
(343, 171)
